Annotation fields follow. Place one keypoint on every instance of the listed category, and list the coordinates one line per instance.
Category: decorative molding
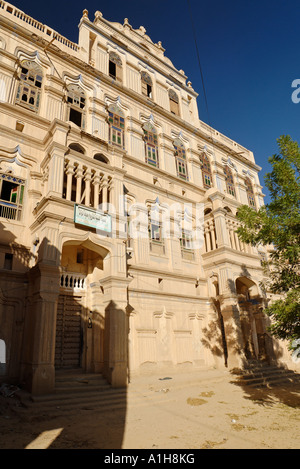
(16, 156)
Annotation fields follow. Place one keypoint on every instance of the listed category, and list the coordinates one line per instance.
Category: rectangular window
(156, 240)
(186, 245)
(181, 166)
(155, 232)
(147, 89)
(76, 117)
(207, 180)
(112, 70)
(231, 191)
(79, 257)
(186, 240)
(8, 261)
(174, 107)
(11, 196)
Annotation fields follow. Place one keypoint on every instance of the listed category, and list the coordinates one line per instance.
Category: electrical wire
(199, 61)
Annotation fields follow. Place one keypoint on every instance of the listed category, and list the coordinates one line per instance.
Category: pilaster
(38, 370)
(115, 368)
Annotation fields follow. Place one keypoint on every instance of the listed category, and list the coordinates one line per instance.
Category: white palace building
(118, 248)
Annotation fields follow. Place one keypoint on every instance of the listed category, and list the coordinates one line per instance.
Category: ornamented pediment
(229, 163)
(77, 81)
(149, 124)
(116, 106)
(14, 157)
(31, 58)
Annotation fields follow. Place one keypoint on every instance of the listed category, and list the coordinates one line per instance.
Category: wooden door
(68, 349)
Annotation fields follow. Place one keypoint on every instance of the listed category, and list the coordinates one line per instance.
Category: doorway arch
(252, 319)
(80, 315)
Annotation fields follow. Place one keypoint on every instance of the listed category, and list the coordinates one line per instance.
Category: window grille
(146, 84)
(229, 181)
(29, 88)
(76, 102)
(250, 193)
(180, 156)
(206, 172)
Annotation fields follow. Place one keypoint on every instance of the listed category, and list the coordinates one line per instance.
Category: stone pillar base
(116, 328)
(39, 379)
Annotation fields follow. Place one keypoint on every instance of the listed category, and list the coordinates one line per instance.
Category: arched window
(77, 147)
(11, 196)
(116, 122)
(229, 181)
(115, 66)
(146, 84)
(76, 105)
(174, 102)
(206, 171)
(100, 157)
(250, 193)
(180, 157)
(29, 89)
(151, 144)
(156, 228)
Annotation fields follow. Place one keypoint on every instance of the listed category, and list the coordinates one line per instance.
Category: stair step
(263, 375)
(87, 394)
(81, 403)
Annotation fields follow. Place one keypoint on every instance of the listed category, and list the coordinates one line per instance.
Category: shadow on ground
(265, 392)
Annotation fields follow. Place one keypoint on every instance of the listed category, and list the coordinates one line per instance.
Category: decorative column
(231, 318)
(96, 182)
(38, 372)
(219, 214)
(78, 175)
(212, 234)
(115, 368)
(69, 172)
(56, 150)
(87, 178)
(104, 193)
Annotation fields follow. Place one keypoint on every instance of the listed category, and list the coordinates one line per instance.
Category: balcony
(10, 211)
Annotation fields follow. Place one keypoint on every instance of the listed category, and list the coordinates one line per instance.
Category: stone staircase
(75, 392)
(259, 374)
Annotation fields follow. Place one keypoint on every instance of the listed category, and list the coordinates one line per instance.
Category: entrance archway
(252, 319)
(80, 310)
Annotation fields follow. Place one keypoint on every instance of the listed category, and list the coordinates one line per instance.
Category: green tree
(278, 224)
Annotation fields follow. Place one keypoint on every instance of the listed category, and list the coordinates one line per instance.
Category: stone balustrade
(86, 184)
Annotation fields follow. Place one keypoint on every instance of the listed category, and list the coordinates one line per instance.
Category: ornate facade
(117, 212)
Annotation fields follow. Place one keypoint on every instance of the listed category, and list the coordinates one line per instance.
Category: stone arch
(80, 318)
(247, 287)
(100, 157)
(255, 337)
(77, 147)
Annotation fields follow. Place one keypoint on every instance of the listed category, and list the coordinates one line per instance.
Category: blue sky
(249, 52)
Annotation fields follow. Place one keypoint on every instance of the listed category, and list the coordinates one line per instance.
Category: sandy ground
(190, 410)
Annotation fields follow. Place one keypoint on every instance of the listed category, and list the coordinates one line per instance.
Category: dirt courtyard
(187, 410)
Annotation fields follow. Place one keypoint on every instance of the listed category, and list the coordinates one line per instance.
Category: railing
(222, 138)
(72, 281)
(20, 15)
(86, 184)
(210, 235)
(9, 211)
